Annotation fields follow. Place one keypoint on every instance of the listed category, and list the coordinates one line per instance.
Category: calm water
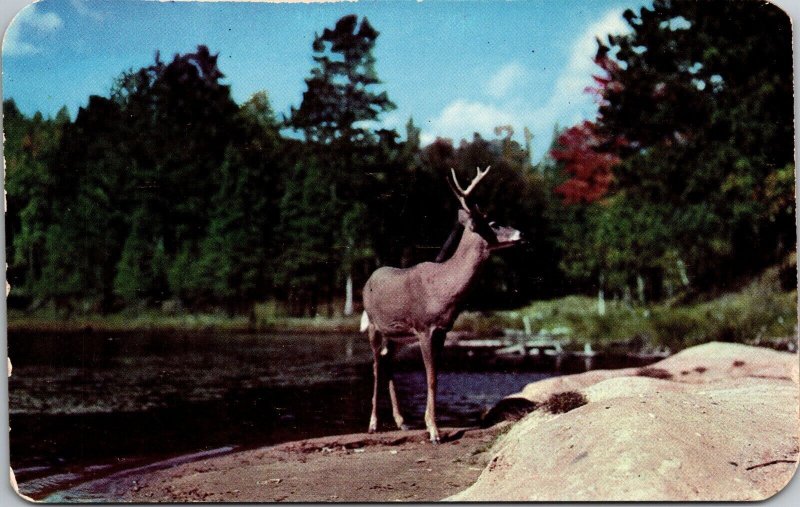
(87, 404)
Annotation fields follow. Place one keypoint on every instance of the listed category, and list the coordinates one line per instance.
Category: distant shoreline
(200, 323)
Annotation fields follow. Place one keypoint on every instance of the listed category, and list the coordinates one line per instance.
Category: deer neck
(460, 269)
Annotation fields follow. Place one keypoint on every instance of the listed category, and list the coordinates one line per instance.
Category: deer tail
(364, 321)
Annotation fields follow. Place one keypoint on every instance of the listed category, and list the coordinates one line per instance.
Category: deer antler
(462, 194)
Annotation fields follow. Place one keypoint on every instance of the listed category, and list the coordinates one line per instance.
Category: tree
(89, 222)
(234, 266)
(339, 95)
(30, 148)
(582, 152)
(306, 233)
(181, 120)
(696, 101)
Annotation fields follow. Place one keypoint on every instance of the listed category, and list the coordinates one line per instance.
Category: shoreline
(31, 326)
(391, 465)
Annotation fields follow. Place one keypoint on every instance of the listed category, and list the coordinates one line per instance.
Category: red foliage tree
(581, 150)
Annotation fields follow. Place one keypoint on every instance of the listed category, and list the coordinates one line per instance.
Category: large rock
(719, 423)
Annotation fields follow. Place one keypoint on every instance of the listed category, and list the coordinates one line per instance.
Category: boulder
(722, 425)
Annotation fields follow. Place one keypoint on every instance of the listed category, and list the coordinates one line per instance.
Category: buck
(424, 300)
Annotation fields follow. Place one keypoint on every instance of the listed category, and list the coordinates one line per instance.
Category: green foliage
(698, 106)
(142, 270)
(134, 200)
(306, 233)
(29, 150)
(756, 314)
(167, 190)
(340, 92)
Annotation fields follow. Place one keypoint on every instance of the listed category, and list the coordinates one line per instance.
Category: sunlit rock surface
(714, 422)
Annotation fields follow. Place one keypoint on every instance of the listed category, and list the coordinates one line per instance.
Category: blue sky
(456, 67)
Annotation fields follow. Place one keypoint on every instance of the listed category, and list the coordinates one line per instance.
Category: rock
(508, 409)
(727, 433)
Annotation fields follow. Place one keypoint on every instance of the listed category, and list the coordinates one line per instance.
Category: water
(85, 405)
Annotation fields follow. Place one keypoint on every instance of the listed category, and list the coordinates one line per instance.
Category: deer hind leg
(431, 345)
(376, 343)
(396, 414)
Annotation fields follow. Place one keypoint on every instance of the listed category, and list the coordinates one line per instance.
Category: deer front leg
(375, 342)
(430, 347)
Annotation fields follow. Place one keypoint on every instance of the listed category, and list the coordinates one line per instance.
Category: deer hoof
(404, 427)
(373, 425)
(436, 440)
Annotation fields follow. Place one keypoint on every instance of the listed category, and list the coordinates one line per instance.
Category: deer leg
(398, 417)
(430, 351)
(375, 342)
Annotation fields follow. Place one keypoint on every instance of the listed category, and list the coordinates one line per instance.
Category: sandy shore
(384, 467)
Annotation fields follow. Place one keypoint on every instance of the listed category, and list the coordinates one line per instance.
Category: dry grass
(559, 403)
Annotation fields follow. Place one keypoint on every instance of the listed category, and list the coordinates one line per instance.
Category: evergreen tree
(30, 148)
(337, 108)
(305, 236)
(234, 266)
(340, 92)
(181, 120)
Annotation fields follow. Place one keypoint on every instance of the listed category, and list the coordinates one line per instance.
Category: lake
(84, 405)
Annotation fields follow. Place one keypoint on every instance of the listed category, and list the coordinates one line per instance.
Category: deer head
(471, 217)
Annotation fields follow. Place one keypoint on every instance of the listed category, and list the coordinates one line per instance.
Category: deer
(423, 301)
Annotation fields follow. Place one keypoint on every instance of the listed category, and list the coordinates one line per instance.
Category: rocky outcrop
(714, 422)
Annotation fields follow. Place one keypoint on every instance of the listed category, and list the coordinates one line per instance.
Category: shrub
(559, 403)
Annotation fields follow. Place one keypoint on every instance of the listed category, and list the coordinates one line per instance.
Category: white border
(789, 496)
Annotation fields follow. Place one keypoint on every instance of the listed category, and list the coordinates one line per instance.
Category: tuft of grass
(559, 403)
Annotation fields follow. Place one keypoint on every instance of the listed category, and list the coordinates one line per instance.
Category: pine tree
(340, 92)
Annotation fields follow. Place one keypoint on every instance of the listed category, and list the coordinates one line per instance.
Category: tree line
(166, 189)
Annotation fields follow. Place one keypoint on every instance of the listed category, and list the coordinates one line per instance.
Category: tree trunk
(640, 288)
(348, 296)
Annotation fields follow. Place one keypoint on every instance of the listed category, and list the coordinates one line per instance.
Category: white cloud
(393, 120)
(505, 79)
(461, 118)
(567, 103)
(577, 75)
(84, 10)
(45, 21)
(13, 46)
(29, 19)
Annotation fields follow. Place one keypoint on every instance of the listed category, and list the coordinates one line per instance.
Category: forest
(166, 191)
